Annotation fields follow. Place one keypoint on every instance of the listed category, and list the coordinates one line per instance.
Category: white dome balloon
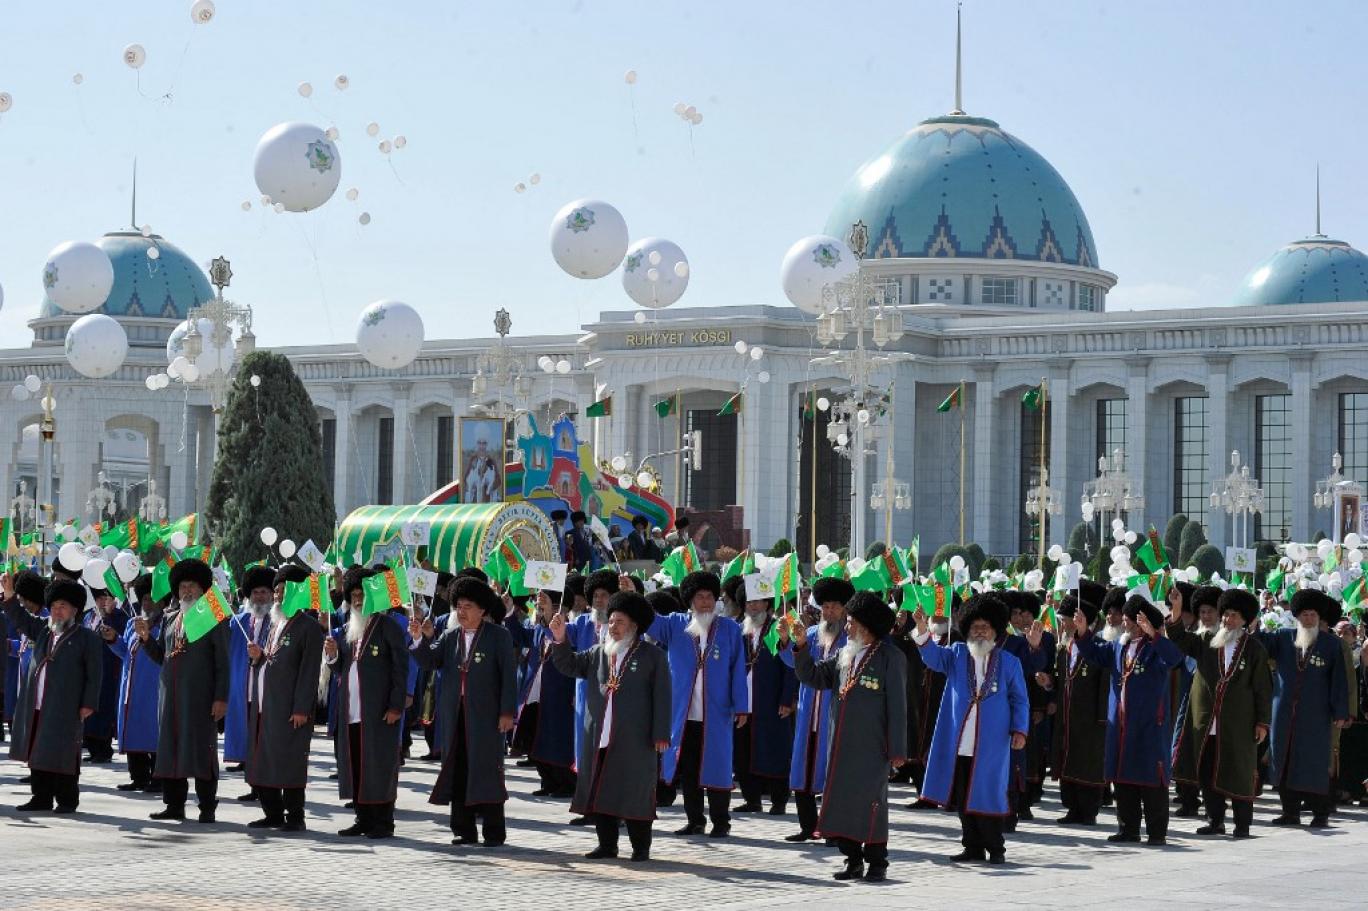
(72, 556)
(175, 342)
(810, 265)
(297, 166)
(93, 572)
(78, 276)
(135, 56)
(287, 548)
(201, 11)
(588, 238)
(389, 334)
(127, 566)
(669, 285)
(96, 345)
(269, 536)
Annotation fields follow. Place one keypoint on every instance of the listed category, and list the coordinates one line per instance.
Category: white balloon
(667, 287)
(287, 548)
(305, 90)
(72, 556)
(78, 79)
(1355, 556)
(178, 540)
(756, 352)
(763, 376)
(364, 218)
(519, 187)
(372, 129)
(1131, 537)
(401, 141)
(78, 276)
(697, 118)
(630, 77)
(255, 381)
(297, 166)
(175, 342)
(6, 102)
(681, 269)
(1352, 539)
(680, 107)
(163, 380)
(1118, 535)
(957, 563)
(127, 566)
(342, 82)
(619, 464)
(639, 317)
(96, 345)
(93, 572)
(177, 367)
(151, 382)
(822, 551)
(202, 11)
(563, 367)
(812, 264)
(330, 134)
(32, 383)
(135, 56)
(533, 179)
(153, 253)
(653, 257)
(247, 205)
(110, 552)
(1055, 552)
(588, 238)
(653, 274)
(1324, 546)
(353, 193)
(689, 112)
(384, 147)
(19, 393)
(389, 334)
(269, 536)
(190, 373)
(1117, 524)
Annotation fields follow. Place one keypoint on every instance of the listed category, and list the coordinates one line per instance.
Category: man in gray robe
(281, 709)
(626, 724)
(63, 690)
(867, 727)
(193, 697)
(371, 668)
(479, 697)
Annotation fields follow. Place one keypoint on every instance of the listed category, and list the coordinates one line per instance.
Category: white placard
(1240, 559)
(422, 581)
(760, 586)
(1067, 576)
(540, 574)
(311, 555)
(416, 534)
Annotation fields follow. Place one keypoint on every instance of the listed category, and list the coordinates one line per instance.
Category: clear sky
(1188, 131)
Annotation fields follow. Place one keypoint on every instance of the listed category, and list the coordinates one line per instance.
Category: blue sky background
(1189, 132)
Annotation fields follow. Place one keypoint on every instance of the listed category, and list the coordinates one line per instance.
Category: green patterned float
(460, 534)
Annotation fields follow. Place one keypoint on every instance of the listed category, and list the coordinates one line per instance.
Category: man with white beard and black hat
(63, 690)
(1082, 692)
(1310, 696)
(105, 618)
(763, 750)
(586, 630)
(249, 626)
(479, 697)
(826, 638)
(193, 696)
(1227, 715)
(371, 664)
(139, 684)
(280, 709)
(868, 732)
(627, 723)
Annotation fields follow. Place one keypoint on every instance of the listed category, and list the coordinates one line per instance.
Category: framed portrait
(481, 444)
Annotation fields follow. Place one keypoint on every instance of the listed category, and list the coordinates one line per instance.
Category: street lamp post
(1331, 493)
(222, 315)
(1110, 492)
(1043, 501)
(102, 499)
(1240, 495)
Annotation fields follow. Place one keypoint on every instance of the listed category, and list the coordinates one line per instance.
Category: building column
(766, 420)
(1137, 436)
(403, 445)
(206, 443)
(1060, 396)
(1218, 443)
(342, 451)
(982, 507)
(904, 449)
(1303, 405)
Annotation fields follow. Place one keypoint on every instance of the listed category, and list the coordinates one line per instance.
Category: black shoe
(429, 757)
(854, 869)
(238, 767)
(542, 792)
(153, 787)
(581, 821)
(997, 857)
(65, 809)
(720, 831)
(249, 797)
(921, 804)
(1243, 832)
(748, 807)
(1212, 828)
(332, 777)
(525, 763)
(206, 816)
(1025, 813)
(1156, 841)
(352, 831)
(131, 786)
(490, 843)
(1068, 819)
(387, 832)
(1185, 812)
(465, 840)
(169, 813)
(876, 874)
(778, 810)
(1319, 822)
(690, 829)
(35, 806)
(1010, 823)
(601, 853)
(294, 825)
(800, 836)
(1285, 820)
(968, 854)
(266, 822)
(564, 793)
(27, 779)
(639, 857)
(1124, 838)
(349, 805)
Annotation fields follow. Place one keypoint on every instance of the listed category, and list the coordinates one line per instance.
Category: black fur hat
(696, 582)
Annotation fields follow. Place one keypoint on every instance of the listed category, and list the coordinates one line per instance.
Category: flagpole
(812, 499)
(962, 458)
(679, 452)
(1044, 402)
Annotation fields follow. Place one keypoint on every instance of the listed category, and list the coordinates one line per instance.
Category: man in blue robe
(587, 629)
(1310, 698)
(546, 702)
(1138, 723)
(763, 752)
(137, 692)
(106, 619)
(807, 769)
(983, 719)
(708, 695)
(250, 624)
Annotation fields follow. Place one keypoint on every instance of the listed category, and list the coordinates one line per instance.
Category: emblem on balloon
(321, 156)
(49, 276)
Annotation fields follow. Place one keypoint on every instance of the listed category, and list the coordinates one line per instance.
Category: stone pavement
(111, 855)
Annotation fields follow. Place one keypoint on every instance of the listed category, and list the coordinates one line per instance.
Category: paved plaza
(112, 856)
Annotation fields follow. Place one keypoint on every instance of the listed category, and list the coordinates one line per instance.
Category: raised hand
(799, 634)
(218, 709)
(557, 628)
(254, 651)
(920, 618)
(1145, 626)
(107, 633)
(140, 628)
(505, 723)
(1080, 623)
(1034, 634)
(330, 647)
(415, 628)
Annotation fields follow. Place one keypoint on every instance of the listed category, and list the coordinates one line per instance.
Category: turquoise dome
(1316, 270)
(163, 288)
(962, 186)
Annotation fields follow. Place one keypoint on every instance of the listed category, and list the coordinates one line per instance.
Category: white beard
(827, 633)
(612, 647)
(356, 627)
(277, 615)
(186, 605)
(1203, 628)
(981, 648)
(1123, 639)
(600, 616)
(852, 648)
(753, 624)
(258, 611)
(1111, 633)
(699, 623)
(1224, 636)
(1066, 636)
(1306, 636)
(940, 630)
(59, 626)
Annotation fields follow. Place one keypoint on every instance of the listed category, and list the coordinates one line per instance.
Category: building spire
(959, 84)
(1318, 227)
(134, 214)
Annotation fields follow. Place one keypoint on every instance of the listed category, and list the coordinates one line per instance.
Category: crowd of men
(625, 701)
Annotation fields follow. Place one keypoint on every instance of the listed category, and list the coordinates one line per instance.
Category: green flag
(834, 570)
(1274, 582)
(942, 574)
(680, 562)
(933, 600)
(188, 524)
(743, 564)
(914, 553)
(895, 565)
(131, 535)
(872, 577)
(1031, 399)
(205, 614)
(732, 406)
(953, 400)
(1353, 593)
(603, 408)
(384, 591)
(505, 566)
(1151, 553)
(311, 594)
(113, 585)
(1049, 619)
(787, 579)
(666, 407)
(161, 578)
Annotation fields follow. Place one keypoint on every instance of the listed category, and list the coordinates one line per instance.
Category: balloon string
(80, 110)
(422, 475)
(318, 277)
(390, 161)
(179, 66)
(636, 134)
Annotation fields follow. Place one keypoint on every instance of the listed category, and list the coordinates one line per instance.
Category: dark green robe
(1080, 721)
(194, 675)
(622, 781)
(1238, 698)
(382, 666)
(867, 727)
(72, 682)
(277, 752)
(478, 691)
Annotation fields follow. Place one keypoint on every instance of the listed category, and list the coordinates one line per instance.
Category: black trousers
(463, 815)
(874, 855)
(1214, 800)
(101, 749)
(1293, 801)
(977, 832)
(807, 812)
(1131, 799)
(638, 833)
(282, 803)
(687, 775)
(140, 767)
(54, 787)
(371, 817)
(176, 790)
(1082, 800)
(754, 788)
(1189, 795)
(556, 778)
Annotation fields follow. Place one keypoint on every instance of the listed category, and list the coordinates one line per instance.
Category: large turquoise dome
(166, 287)
(962, 186)
(1316, 270)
